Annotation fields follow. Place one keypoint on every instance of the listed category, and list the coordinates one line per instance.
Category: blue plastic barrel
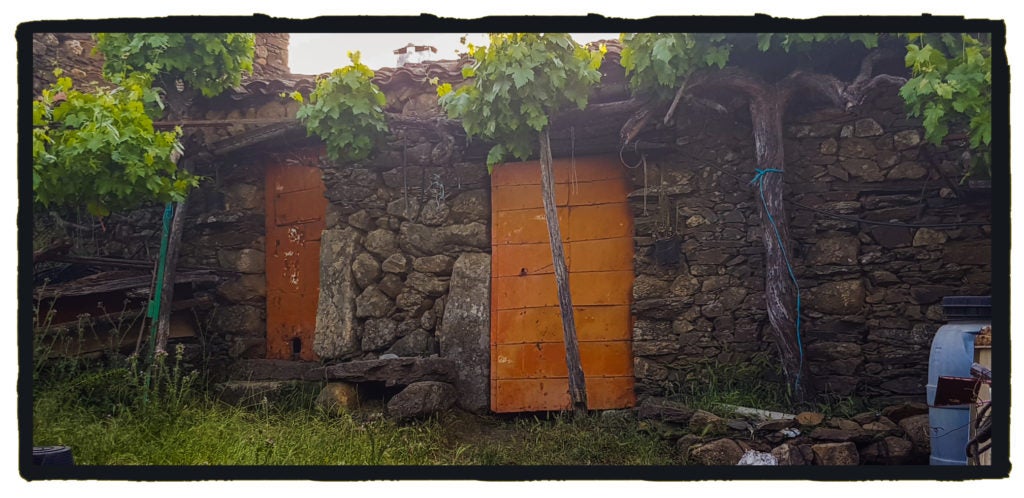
(951, 356)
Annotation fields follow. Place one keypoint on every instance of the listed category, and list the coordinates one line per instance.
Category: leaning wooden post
(163, 330)
(577, 382)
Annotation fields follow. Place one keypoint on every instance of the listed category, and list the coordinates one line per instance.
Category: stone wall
(271, 55)
(413, 211)
(72, 52)
(870, 293)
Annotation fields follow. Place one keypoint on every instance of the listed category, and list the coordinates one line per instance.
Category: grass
(113, 414)
(755, 383)
(211, 433)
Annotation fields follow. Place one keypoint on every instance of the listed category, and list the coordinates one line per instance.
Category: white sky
(315, 53)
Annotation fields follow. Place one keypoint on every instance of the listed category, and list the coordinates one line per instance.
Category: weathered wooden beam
(577, 382)
(117, 281)
(52, 251)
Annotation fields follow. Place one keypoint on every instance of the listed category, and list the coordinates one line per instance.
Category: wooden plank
(593, 323)
(523, 226)
(511, 197)
(601, 255)
(546, 359)
(603, 221)
(528, 291)
(530, 395)
(514, 260)
(591, 169)
(602, 288)
(609, 191)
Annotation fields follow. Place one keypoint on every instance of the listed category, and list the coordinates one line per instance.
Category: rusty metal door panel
(528, 371)
(293, 208)
(295, 214)
(295, 178)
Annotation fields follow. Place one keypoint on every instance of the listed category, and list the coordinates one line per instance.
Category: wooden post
(163, 330)
(577, 382)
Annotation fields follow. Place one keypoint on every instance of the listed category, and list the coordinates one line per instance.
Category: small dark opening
(296, 347)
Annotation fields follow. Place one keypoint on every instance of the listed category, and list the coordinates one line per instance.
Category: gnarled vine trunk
(767, 103)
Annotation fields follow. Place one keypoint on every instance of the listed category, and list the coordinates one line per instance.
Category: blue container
(951, 356)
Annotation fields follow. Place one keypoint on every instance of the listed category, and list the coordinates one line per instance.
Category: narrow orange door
(295, 217)
(528, 371)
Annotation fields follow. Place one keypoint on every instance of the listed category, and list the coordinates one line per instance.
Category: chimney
(412, 54)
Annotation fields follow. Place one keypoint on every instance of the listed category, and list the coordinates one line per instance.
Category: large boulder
(378, 333)
(918, 429)
(336, 333)
(889, 451)
(338, 397)
(464, 332)
(365, 270)
(416, 343)
(667, 410)
(839, 298)
(718, 452)
(421, 399)
(835, 454)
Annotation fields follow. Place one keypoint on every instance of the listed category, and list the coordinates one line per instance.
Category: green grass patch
(212, 433)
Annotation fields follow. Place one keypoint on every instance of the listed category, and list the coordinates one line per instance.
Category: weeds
(752, 384)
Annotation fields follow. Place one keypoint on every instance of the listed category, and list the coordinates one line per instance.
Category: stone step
(392, 371)
(260, 369)
(253, 392)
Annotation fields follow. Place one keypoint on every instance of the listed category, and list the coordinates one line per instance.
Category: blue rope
(759, 180)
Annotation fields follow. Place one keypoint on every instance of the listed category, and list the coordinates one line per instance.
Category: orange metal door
(295, 217)
(528, 371)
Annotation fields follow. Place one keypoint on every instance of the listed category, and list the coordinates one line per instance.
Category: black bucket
(668, 250)
(52, 456)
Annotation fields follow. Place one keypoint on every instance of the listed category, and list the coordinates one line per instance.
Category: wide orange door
(295, 217)
(528, 371)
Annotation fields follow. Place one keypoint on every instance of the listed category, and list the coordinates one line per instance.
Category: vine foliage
(209, 62)
(100, 149)
(346, 111)
(519, 81)
(952, 87)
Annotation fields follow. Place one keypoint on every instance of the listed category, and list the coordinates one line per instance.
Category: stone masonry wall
(871, 294)
(414, 208)
(72, 52)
